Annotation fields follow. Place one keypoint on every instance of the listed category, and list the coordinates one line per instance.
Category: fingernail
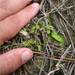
(35, 4)
(27, 55)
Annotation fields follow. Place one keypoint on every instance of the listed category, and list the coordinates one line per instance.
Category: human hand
(14, 14)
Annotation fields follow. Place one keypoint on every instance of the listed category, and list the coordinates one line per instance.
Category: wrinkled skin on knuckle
(4, 5)
(15, 23)
(5, 8)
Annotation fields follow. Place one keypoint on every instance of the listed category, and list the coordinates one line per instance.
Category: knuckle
(15, 21)
(4, 6)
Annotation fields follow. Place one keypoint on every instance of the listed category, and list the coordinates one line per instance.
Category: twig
(53, 71)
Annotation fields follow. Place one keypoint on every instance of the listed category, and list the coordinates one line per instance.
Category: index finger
(9, 7)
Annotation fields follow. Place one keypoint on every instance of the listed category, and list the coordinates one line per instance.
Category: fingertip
(13, 59)
(36, 5)
(27, 55)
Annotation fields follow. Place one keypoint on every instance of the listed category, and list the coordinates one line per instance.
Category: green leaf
(57, 37)
(39, 47)
(34, 28)
(49, 27)
(29, 42)
(32, 31)
(26, 43)
(34, 42)
(48, 31)
(23, 32)
(52, 27)
(40, 22)
(37, 27)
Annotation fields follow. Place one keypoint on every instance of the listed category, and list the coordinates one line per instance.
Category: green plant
(40, 22)
(39, 47)
(34, 28)
(57, 37)
(23, 32)
(28, 43)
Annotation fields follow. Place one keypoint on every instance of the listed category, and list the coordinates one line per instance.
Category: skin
(14, 14)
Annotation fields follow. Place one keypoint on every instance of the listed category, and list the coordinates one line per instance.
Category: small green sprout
(48, 32)
(57, 37)
(41, 22)
(23, 32)
(39, 47)
(28, 43)
(34, 28)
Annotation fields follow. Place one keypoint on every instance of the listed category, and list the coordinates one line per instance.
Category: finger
(11, 26)
(13, 59)
(8, 7)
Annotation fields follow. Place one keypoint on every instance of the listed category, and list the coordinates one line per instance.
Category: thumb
(12, 60)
